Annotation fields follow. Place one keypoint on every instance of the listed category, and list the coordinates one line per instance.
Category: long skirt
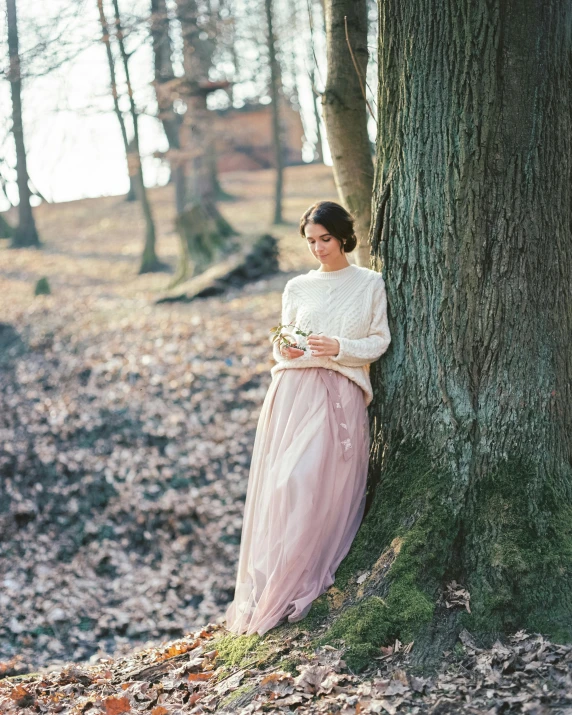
(305, 496)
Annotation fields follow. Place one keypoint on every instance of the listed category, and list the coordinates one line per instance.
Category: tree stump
(257, 258)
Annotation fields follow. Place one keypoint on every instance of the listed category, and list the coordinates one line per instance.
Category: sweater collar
(332, 275)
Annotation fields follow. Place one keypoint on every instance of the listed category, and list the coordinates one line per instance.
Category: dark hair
(335, 218)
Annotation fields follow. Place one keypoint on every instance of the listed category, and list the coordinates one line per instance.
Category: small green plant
(287, 338)
(42, 287)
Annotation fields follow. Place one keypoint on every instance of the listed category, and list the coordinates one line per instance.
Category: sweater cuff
(341, 353)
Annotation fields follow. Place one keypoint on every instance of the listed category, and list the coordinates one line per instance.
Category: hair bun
(350, 243)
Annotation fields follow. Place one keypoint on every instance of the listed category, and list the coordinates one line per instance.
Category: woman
(306, 489)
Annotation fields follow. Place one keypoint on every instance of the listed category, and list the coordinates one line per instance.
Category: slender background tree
(345, 112)
(25, 233)
(276, 129)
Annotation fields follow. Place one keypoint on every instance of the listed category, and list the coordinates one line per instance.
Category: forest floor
(126, 430)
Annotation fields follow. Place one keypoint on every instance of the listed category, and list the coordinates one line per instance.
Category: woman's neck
(335, 267)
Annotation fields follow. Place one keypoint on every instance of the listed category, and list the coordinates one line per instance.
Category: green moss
(511, 547)
(289, 665)
(412, 504)
(412, 493)
(42, 287)
(374, 621)
(318, 612)
(359, 628)
(518, 552)
(238, 650)
(234, 695)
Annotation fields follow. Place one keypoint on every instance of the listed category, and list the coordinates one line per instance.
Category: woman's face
(322, 245)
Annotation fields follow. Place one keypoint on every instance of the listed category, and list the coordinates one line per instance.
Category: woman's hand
(290, 352)
(321, 346)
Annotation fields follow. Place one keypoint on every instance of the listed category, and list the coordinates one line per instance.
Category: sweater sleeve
(288, 316)
(362, 351)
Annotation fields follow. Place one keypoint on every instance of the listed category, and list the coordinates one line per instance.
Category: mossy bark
(472, 416)
(203, 231)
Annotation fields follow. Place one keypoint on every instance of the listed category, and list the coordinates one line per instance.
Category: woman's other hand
(321, 346)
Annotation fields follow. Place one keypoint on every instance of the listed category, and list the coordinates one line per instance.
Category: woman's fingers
(292, 352)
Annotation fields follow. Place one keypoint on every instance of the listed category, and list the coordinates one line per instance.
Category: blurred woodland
(155, 158)
(127, 427)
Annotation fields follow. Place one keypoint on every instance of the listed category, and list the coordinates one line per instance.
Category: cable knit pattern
(349, 305)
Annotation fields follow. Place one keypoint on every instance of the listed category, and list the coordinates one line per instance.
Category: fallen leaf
(116, 706)
(200, 676)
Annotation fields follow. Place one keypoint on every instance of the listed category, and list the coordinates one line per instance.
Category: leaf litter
(125, 438)
(184, 677)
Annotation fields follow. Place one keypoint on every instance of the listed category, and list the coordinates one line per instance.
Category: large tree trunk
(345, 114)
(472, 416)
(25, 233)
(164, 85)
(166, 91)
(275, 94)
(202, 228)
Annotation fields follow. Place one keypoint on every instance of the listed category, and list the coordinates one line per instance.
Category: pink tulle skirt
(305, 497)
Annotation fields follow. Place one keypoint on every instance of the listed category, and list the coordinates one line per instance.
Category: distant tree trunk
(6, 231)
(149, 261)
(165, 81)
(25, 233)
(131, 194)
(276, 133)
(316, 94)
(345, 114)
(472, 414)
(202, 229)
(236, 65)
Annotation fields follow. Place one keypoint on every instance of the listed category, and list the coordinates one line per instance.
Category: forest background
(141, 276)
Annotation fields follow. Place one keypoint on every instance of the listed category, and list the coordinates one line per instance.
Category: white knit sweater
(349, 305)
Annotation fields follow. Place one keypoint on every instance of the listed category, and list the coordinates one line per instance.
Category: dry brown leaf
(199, 676)
(116, 706)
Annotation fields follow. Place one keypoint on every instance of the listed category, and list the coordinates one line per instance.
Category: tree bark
(316, 94)
(202, 228)
(472, 415)
(6, 231)
(275, 94)
(25, 233)
(149, 261)
(345, 114)
(315, 102)
(164, 86)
